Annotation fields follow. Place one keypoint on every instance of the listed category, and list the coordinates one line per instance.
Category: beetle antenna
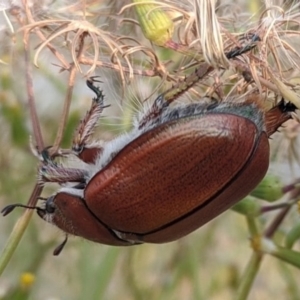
(60, 247)
(9, 208)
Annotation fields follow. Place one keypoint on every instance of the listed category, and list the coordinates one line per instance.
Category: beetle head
(67, 210)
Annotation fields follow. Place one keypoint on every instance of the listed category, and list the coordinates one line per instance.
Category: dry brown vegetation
(47, 50)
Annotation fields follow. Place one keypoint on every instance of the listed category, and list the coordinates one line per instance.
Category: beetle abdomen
(176, 171)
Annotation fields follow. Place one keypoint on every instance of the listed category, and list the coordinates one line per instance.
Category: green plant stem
(287, 255)
(254, 232)
(17, 233)
(249, 275)
(292, 236)
(252, 268)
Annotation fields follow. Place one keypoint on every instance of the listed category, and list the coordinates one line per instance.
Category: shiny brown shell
(178, 176)
(172, 179)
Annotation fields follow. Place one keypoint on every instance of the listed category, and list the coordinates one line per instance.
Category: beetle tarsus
(286, 106)
(276, 116)
(241, 50)
(99, 93)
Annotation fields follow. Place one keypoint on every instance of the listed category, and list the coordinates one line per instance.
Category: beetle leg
(132, 238)
(52, 171)
(61, 174)
(277, 115)
(165, 99)
(86, 151)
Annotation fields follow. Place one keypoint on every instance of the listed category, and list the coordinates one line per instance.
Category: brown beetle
(178, 170)
(174, 178)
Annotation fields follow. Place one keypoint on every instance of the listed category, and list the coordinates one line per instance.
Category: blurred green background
(204, 265)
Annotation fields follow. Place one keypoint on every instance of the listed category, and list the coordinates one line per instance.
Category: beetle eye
(50, 206)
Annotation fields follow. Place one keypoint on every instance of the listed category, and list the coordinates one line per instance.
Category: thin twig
(59, 56)
(68, 99)
(31, 101)
(269, 232)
